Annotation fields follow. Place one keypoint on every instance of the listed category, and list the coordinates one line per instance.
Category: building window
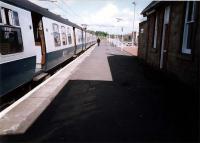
(155, 32)
(10, 32)
(56, 35)
(141, 31)
(190, 17)
(69, 35)
(64, 36)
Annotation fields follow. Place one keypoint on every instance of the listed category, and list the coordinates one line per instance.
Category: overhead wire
(64, 2)
(69, 10)
(68, 13)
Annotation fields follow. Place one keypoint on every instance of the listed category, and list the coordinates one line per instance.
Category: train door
(39, 39)
(82, 41)
(75, 44)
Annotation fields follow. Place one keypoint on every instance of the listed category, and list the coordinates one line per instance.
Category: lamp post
(133, 36)
(118, 20)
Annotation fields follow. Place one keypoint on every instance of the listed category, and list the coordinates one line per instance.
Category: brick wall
(142, 38)
(183, 65)
(154, 53)
(186, 67)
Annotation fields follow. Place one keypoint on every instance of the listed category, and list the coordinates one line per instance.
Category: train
(34, 40)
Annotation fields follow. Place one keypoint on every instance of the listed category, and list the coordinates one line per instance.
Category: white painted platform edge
(69, 68)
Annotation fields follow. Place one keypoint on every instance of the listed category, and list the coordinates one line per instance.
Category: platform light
(133, 24)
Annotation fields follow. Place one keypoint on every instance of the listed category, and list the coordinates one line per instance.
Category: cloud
(98, 19)
(107, 16)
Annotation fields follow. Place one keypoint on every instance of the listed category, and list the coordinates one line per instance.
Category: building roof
(152, 5)
(25, 4)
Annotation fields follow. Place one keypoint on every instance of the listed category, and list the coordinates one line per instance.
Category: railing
(118, 43)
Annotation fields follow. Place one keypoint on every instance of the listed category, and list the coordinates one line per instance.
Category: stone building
(170, 38)
(128, 37)
(142, 40)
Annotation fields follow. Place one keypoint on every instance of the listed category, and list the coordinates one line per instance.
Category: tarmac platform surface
(112, 96)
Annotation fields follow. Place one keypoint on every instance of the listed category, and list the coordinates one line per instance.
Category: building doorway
(165, 39)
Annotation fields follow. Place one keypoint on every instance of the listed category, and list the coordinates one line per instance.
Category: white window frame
(187, 23)
(155, 32)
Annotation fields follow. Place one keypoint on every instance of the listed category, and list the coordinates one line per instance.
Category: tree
(101, 34)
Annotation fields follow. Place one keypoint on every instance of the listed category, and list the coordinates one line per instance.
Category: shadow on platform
(138, 105)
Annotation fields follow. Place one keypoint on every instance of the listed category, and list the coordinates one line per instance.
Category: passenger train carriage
(32, 40)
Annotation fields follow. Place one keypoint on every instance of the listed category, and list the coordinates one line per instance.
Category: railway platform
(111, 96)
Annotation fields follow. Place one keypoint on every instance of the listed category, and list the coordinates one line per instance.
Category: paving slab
(22, 116)
(124, 101)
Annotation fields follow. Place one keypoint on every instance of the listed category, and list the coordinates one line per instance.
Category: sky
(99, 15)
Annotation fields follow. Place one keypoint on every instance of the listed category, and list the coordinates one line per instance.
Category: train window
(79, 37)
(3, 16)
(9, 17)
(70, 39)
(11, 40)
(64, 36)
(56, 35)
(15, 18)
(69, 35)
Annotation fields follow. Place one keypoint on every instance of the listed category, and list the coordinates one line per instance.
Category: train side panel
(17, 48)
(59, 42)
(89, 40)
(84, 40)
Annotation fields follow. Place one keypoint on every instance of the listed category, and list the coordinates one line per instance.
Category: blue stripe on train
(79, 48)
(16, 73)
(57, 57)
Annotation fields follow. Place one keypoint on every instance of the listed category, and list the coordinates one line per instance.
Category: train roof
(25, 4)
